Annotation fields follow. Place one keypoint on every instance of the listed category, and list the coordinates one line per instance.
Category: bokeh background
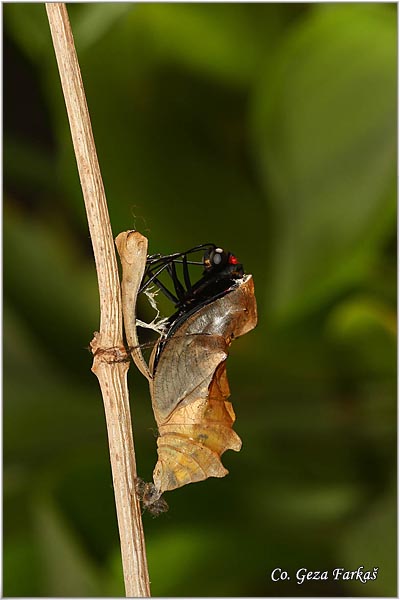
(271, 130)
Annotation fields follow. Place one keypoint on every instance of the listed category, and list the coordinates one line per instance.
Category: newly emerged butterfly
(187, 368)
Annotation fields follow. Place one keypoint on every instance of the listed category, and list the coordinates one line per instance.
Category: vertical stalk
(110, 361)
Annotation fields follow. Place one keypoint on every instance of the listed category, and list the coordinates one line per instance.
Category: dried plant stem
(109, 364)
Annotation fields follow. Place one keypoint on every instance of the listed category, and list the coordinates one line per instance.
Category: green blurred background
(271, 130)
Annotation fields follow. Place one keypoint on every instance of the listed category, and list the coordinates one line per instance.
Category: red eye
(233, 260)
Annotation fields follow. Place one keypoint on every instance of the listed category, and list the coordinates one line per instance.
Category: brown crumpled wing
(190, 389)
(193, 439)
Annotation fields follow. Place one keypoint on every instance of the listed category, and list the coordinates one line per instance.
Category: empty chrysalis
(187, 368)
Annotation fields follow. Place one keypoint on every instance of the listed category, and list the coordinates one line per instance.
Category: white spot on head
(217, 259)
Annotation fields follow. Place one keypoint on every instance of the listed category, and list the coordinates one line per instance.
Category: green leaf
(227, 41)
(48, 412)
(324, 130)
(319, 503)
(174, 558)
(371, 541)
(28, 26)
(49, 280)
(67, 569)
(28, 165)
(362, 315)
(113, 579)
(21, 567)
(91, 22)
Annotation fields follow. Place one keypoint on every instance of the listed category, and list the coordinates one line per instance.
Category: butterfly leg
(186, 274)
(179, 289)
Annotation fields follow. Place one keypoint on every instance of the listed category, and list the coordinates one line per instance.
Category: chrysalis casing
(190, 391)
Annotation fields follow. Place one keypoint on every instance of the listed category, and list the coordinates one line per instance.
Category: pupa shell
(190, 391)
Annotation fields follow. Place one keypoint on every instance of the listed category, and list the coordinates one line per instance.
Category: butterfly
(187, 367)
